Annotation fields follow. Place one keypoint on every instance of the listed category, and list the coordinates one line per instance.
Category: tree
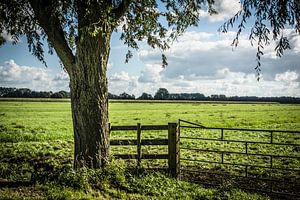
(112, 96)
(124, 95)
(161, 94)
(60, 95)
(80, 31)
(146, 96)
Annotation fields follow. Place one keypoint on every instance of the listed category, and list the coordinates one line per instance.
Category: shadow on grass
(277, 188)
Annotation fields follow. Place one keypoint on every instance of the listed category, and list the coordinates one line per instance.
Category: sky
(201, 61)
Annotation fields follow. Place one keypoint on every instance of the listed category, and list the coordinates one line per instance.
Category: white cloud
(12, 72)
(60, 81)
(204, 57)
(209, 65)
(224, 81)
(225, 9)
(121, 76)
(150, 74)
(122, 82)
(227, 82)
(287, 76)
(63, 76)
(39, 79)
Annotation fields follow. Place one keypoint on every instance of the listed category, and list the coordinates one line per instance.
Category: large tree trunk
(89, 100)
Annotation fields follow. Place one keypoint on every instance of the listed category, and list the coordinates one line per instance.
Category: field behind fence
(261, 160)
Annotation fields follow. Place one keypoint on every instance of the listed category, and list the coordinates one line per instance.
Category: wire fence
(261, 160)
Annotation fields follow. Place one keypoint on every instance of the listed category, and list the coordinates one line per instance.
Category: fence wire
(265, 161)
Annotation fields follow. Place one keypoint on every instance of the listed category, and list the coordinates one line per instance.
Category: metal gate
(267, 161)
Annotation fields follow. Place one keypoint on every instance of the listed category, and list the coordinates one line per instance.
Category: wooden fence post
(138, 142)
(173, 148)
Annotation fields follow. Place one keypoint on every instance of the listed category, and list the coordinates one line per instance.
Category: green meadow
(36, 148)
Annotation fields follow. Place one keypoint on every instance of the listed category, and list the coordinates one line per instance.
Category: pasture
(36, 142)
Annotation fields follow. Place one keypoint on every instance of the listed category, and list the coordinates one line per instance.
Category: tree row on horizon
(161, 94)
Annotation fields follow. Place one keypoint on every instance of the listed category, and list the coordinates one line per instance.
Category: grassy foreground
(36, 147)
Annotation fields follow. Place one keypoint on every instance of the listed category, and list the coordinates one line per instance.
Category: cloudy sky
(202, 60)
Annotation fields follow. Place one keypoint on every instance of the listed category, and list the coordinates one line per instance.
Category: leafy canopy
(159, 23)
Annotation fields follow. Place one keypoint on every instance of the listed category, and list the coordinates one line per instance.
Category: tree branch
(52, 27)
(119, 11)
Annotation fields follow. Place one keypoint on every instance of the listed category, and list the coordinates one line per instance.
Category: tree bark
(89, 101)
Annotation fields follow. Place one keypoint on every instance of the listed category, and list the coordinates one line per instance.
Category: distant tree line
(161, 94)
(27, 93)
(124, 95)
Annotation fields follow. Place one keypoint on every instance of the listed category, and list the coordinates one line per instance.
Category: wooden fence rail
(172, 141)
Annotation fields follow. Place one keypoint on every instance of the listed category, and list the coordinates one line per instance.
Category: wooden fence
(172, 141)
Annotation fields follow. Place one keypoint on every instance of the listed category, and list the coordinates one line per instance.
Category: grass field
(36, 145)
